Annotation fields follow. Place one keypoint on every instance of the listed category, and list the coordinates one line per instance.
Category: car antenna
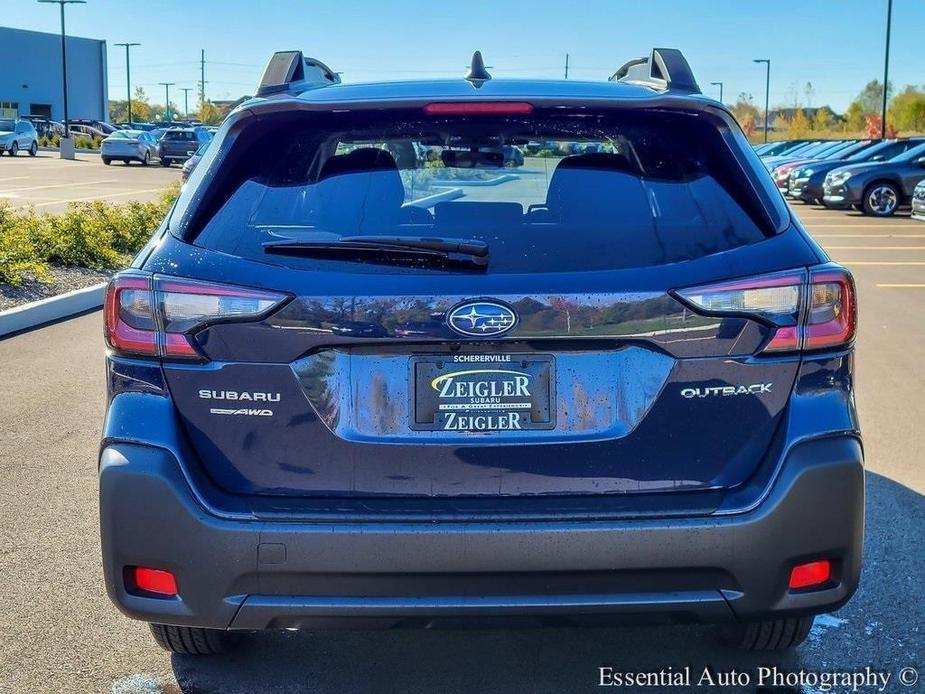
(477, 74)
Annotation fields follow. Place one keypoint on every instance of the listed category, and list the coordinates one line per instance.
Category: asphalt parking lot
(61, 634)
(49, 183)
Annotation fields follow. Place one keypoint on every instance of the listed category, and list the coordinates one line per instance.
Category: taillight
(831, 318)
(806, 310)
(156, 316)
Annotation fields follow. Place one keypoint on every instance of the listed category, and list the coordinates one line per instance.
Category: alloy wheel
(882, 200)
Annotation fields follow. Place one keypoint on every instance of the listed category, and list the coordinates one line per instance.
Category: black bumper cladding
(255, 574)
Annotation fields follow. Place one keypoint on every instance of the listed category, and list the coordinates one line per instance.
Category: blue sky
(837, 45)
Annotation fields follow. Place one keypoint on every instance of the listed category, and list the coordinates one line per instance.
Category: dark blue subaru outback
(414, 352)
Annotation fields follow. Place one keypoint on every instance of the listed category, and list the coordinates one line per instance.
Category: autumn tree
(823, 118)
(907, 110)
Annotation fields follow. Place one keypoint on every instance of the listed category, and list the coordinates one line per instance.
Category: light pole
(767, 91)
(720, 85)
(66, 151)
(128, 78)
(886, 67)
(167, 86)
(186, 91)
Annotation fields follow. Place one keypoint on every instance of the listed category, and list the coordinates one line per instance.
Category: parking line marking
(901, 286)
(875, 248)
(884, 262)
(849, 225)
(869, 236)
(55, 185)
(96, 197)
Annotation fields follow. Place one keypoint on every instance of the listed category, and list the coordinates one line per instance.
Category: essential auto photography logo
(866, 679)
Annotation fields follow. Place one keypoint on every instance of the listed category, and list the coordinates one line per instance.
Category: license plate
(483, 392)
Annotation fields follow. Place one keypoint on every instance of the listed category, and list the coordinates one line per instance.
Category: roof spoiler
(666, 69)
(291, 72)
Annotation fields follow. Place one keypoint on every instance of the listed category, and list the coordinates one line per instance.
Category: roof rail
(665, 69)
(292, 72)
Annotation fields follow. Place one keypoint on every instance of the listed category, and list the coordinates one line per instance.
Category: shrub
(97, 235)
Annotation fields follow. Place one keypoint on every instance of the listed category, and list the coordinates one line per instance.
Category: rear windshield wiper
(472, 252)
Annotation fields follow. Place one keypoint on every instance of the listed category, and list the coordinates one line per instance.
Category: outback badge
(481, 318)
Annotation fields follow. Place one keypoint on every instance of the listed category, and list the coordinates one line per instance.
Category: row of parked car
(876, 177)
(168, 143)
(173, 145)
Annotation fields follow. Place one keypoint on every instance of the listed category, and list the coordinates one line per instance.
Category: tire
(165, 162)
(34, 149)
(768, 635)
(881, 199)
(126, 161)
(191, 640)
(107, 161)
(146, 159)
(14, 149)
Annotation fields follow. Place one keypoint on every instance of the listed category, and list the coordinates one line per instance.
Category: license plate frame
(482, 393)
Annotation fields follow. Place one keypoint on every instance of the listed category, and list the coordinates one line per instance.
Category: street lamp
(186, 91)
(66, 151)
(128, 78)
(767, 91)
(886, 67)
(167, 86)
(720, 85)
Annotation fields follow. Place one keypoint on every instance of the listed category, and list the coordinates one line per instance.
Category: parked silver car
(18, 135)
(127, 146)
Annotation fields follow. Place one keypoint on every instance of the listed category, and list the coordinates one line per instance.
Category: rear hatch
(426, 322)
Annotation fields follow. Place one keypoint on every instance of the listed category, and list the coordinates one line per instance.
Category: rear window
(548, 192)
(179, 135)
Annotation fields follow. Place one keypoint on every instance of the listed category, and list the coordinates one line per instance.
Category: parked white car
(18, 136)
(127, 146)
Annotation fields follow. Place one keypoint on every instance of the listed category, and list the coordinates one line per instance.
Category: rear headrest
(359, 160)
(596, 160)
(358, 190)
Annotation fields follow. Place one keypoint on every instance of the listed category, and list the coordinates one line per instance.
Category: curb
(431, 200)
(497, 180)
(54, 308)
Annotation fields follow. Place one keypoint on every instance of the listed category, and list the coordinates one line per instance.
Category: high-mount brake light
(815, 310)
(156, 315)
(471, 108)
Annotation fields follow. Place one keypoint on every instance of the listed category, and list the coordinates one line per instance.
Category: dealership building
(30, 80)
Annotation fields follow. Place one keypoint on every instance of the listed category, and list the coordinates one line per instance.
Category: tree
(210, 114)
(809, 93)
(855, 116)
(798, 125)
(745, 112)
(870, 100)
(823, 118)
(141, 109)
(907, 110)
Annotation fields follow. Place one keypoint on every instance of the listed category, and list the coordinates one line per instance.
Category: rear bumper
(255, 574)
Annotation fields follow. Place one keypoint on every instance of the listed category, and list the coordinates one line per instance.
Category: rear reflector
(814, 573)
(814, 310)
(155, 580)
(463, 108)
(157, 315)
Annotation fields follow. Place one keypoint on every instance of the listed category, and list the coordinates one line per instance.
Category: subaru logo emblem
(481, 319)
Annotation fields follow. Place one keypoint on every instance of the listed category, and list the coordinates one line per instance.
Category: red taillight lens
(469, 108)
(129, 312)
(815, 573)
(155, 581)
(826, 318)
(832, 314)
(156, 316)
